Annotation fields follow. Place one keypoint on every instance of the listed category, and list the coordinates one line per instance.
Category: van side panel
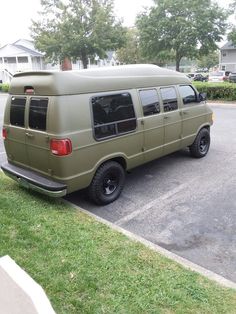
(70, 116)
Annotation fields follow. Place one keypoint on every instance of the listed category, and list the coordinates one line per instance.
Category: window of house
(188, 94)
(113, 115)
(169, 98)
(38, 113)
(11, 60)
(17, 111)
(150, 102)
(22, 59)
(223, 67)
(224, 54)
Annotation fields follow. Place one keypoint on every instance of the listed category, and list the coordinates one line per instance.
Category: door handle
(29, 134)
(166, 117)
(185, 112)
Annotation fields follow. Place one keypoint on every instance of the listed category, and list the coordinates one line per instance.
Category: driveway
(185, 205)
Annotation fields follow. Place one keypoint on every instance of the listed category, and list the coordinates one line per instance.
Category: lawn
(85, 267)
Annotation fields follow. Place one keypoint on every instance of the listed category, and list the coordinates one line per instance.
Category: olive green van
(66, 131)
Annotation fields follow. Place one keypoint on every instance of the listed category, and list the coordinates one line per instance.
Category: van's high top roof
(103, 79)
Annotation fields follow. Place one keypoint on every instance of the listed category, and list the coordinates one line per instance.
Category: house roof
(228, 46)
(19, 48)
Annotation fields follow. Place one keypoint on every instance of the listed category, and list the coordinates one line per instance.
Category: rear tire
(107, 183)
(201, 144)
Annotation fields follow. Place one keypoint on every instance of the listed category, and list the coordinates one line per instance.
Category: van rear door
(27, 142)
(14, 123)
(37, 140)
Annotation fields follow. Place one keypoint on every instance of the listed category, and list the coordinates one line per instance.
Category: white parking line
(158, 202)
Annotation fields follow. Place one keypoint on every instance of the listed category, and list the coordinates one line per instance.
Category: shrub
(221, 91)
(4, 87)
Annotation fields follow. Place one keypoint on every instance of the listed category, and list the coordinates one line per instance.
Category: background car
(232, 77)
(197, 77)
(201, 78)
(218, 76)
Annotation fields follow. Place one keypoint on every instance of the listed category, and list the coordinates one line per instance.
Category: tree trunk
(84, 59)
(177, 61)
(66, 64)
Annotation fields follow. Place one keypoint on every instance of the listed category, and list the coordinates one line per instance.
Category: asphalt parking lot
(185, 205)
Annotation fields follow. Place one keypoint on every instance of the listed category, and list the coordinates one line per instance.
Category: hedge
(221, 91)
(4, 87)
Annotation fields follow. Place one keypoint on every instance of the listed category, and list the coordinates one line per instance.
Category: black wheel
(107, 183)
(201, 145)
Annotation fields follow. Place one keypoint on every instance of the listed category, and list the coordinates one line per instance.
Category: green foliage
(85, 267)
(79, 29)
(217, 91)
(181, 28)
(130, 53)
(4, 87)
(208, 61)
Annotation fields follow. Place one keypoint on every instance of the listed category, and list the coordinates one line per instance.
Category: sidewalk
(19, 293)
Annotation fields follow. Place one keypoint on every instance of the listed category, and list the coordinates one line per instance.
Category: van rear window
(38, 113)
(113, 115)
(17, 111)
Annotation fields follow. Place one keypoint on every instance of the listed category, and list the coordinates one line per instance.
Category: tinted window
(188, 94)
(150, 102)
(38, 113)
(17, 111)
(113, 115)
(169, 98)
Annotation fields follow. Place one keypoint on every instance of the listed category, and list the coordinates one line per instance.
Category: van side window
(169, 98)
(38, 113)
(150, 102)
(113, 115)
(188, 94)
(17, 111)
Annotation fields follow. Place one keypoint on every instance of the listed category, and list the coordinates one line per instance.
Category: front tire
(201, 144)
(107, 183)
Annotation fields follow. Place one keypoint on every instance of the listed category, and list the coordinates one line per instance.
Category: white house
(228, 57)
(19, 56)
(22, 56)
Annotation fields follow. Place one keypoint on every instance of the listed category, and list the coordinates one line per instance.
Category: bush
(4, 87)
(221, 91)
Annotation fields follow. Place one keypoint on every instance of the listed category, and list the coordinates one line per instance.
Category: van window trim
(28, 113)
(159, 98)
(183, 105)
(179, 103)
(110, 93)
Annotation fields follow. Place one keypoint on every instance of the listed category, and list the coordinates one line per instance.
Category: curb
(178, 259)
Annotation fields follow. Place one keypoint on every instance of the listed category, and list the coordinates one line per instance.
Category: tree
(185, 28)
(130, 53)
(208, 61)
(79, 29)
(232, 33)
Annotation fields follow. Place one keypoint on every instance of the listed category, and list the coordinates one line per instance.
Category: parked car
(66, 131)
(218, 76)
(197, 77)
(232, 77)
(201, 78)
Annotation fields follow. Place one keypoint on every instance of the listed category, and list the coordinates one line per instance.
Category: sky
(16, 16)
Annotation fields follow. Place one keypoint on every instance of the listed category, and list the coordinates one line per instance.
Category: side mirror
(202, 97)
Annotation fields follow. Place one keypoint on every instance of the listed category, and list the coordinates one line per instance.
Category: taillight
(61, 147)
(4, 133)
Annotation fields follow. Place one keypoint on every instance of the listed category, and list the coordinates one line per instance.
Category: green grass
(85, 267)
